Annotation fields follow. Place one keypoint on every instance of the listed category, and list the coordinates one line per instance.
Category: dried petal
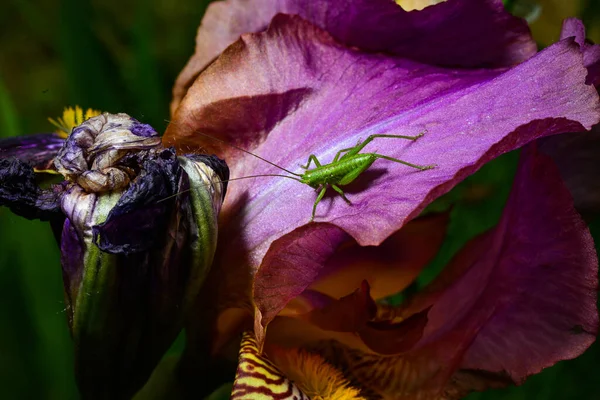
(35, 150)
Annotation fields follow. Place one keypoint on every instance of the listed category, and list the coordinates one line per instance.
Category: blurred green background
(122, 56)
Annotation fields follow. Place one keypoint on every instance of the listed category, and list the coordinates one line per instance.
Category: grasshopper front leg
(341, 192)
(319, 198)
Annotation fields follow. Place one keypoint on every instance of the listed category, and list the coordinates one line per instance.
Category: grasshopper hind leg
(420, 167)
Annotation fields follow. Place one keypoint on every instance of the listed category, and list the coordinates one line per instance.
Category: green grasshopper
(343, 170)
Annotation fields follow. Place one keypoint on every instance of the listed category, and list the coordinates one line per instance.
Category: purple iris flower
(315, 77)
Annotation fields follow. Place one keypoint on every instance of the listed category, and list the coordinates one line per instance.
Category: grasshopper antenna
(245, 151)
(229, 180)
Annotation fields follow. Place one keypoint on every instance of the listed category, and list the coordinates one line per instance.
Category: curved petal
(470, 118)
(390, 267)
(318, 256)
(465, 33)
(348, 314)
(293, 262)
(326, 259)
(572, 27)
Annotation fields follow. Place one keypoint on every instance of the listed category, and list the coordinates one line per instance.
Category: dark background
(123, 56)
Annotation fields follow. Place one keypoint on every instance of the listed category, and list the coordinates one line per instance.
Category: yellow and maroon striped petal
(258, 379)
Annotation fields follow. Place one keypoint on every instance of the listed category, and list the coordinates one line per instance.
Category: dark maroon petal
(348, 314)
(576, 155)
(524, 297)
(395, 338)
(466, 33)
(470, 118)
(301, 255)
(572, 27)
(36, 150)
(356, 313)
(542, 294)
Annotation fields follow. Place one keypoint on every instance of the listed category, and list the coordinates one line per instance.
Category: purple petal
(466, 33)
(470, 118)
(36, 150)
(572, 27)
(143, 130)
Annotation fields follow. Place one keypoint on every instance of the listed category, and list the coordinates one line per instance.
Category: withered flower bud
(138, 238)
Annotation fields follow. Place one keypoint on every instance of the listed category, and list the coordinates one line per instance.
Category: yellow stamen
(71, 118)
(45, 171)
(412, 5)
(314, 376)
